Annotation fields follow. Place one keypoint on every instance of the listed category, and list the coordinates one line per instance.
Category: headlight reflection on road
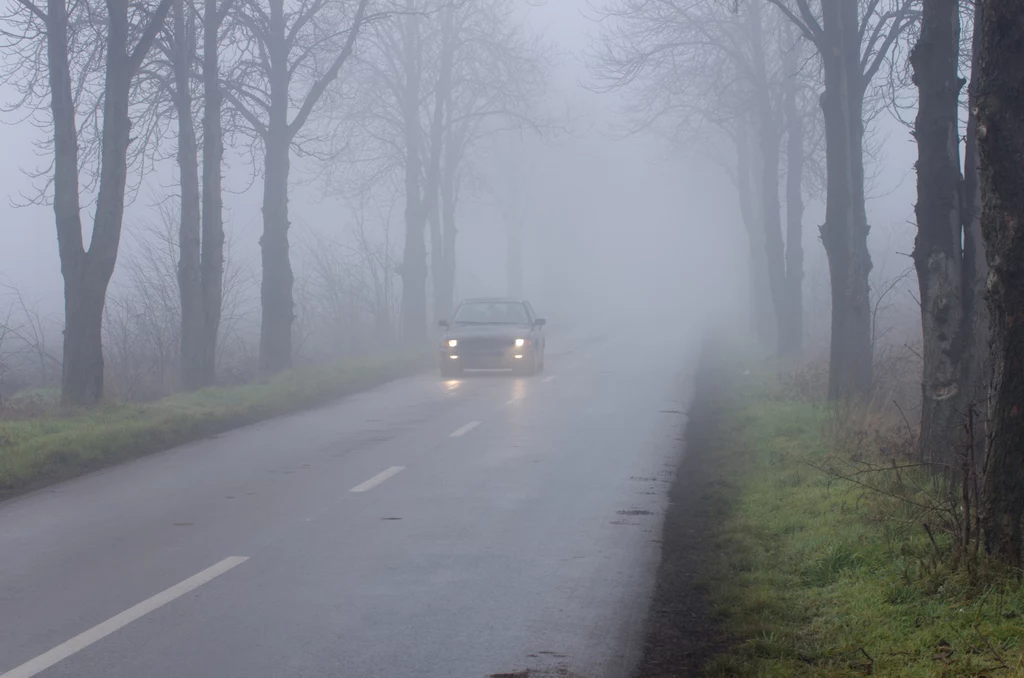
(518, 390)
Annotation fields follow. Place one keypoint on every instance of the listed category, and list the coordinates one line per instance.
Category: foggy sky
(614, 222)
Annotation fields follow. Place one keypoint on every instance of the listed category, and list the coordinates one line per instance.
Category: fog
(619, 224)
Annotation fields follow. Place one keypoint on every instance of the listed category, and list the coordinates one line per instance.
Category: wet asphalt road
(500, 524)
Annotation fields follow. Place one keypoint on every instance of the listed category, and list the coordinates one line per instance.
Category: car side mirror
(442, 323)
(540, 322)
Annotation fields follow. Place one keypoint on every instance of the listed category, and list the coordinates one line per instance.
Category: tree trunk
(975, 268)
(449, 201)
(414, 264)
(86, 292)
(432, 187)
(771, 208)
(937, 248)
(277, 285)
(792, 333)
(514, 254)
(276, 289)
(82, 378)
(771, 224)
(761, 310)
(190, 283)
(1000, 111)
(87, 273)
(82, 383)
(432, 209)
(212, 258)
(845, 231)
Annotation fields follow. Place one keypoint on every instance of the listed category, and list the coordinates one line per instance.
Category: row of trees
(752, 74)
(364, 90)
(801, 80)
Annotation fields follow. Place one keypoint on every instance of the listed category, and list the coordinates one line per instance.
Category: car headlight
(452, 343)
(520, 343)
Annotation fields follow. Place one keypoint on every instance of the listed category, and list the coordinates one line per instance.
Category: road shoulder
(42, 451)
(681, 637)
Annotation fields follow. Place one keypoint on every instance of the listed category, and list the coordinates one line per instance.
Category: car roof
(494, 300)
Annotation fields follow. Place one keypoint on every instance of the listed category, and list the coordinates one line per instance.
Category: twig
(931, 536)
(878, 490)
(999, 657)
(871, 661)
(910, 429)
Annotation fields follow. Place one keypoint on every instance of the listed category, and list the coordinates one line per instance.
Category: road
(468, 528)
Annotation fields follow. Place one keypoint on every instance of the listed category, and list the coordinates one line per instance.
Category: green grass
(814, 576)
(37, 451)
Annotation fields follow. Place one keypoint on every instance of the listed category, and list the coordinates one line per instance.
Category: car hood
(500, 331)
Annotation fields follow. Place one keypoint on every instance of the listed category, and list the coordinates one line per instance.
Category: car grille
(484, 344)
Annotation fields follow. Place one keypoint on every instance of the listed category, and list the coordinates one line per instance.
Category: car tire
(540, 365)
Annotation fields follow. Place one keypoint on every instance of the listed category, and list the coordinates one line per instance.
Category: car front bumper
(486, 359)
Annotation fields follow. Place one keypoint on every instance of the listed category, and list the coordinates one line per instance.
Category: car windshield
(491, 313)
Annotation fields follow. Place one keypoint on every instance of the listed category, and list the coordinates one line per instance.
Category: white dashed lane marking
(459, 432)
(101, 631)
(378, 479)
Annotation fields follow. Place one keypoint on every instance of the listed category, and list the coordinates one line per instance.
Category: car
(493, 333)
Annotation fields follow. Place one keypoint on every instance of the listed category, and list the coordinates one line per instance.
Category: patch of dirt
(680, 637)
(635, 512)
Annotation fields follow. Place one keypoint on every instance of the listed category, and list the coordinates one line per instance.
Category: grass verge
(815, 576)
(39, 451)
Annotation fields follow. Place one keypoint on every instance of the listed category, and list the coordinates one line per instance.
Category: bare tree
(178, 43)
(212, 253)
(178, 85)
(433, 85)
(974, 387)
(381, 125)
(797, 120)
(292, 56)
(447, 47)
(143, 328)
(74, 40)
(946, 276)
(414, 258)
(738, 68)
(763, 316)
(498, 73)
(1000, 121)
(201, 234)
(854, 40)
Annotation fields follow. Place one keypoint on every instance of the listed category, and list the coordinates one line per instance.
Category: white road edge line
(372, 482)
(515, 400)
(454, 434)
(549, 379)
(101, 631)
